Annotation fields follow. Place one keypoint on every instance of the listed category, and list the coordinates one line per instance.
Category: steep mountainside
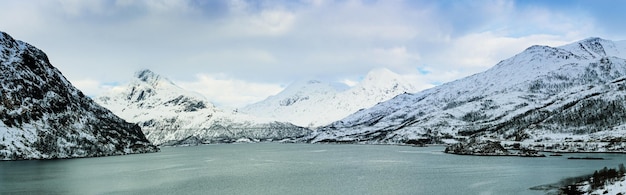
(315, 103)
(576, 91)
(42, 116)
(170, 115)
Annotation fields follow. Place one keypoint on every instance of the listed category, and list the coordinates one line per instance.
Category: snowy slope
(170, 115)
(610, 188)
(542, 93)
(42, 116)
(315, 103)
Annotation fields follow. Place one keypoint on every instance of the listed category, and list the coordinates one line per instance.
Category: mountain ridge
(520, 98)
(316, 103)
(43, 116)
(171, 115)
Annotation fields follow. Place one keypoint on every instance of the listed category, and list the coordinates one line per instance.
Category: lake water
(294, 169)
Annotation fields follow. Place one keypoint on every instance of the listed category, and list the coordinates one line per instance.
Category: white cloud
(91, 87)
(349, 82)
(420, 82)
(473, 53)
(228, 58)
(268, 42)
(237, 6)
(396, 58)
(164, 6)
(78, 7)
(274, 22)
(227, 91)
(245, 20)
(317, 3)
(486, 49)
(366, 22)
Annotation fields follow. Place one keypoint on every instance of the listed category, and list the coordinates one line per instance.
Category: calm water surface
(294, 169)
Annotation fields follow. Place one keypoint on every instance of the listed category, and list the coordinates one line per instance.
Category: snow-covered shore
(618, 187)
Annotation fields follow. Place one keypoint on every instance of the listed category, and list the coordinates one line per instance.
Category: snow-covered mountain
(170, 115)
(42, 116)
(315, 103)
(576, 91)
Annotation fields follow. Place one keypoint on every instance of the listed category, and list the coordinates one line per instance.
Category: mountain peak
(152, 79)
(385, 79)
(171, 115)
(310, 85)
(542, 93)
(150, 90)
(380, 71)
(4, 37)
(7, 42)
(594, 47)
(302, 102)
(382, 76)
(147, 76)
(596, 44)
(43, 116)
(314, 81)
(593, 40)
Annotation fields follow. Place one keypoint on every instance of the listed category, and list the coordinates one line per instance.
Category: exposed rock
(479, 148)
(170, 115)
(42, 116)
(575, 90)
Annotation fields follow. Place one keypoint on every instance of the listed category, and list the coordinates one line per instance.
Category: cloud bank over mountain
(273, 43)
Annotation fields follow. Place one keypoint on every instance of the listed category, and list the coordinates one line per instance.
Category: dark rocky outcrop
(480, 148)
(42, 116)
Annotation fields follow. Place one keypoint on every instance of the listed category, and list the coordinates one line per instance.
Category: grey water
(295, 169)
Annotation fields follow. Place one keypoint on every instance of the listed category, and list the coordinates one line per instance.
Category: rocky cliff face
(576, 91)
(42, 116)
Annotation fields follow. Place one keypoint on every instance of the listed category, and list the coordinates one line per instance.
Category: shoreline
(589, 183)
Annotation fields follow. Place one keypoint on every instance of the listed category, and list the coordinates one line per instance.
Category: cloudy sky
(239, 51)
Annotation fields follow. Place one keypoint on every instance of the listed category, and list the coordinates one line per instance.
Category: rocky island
(479, 147)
